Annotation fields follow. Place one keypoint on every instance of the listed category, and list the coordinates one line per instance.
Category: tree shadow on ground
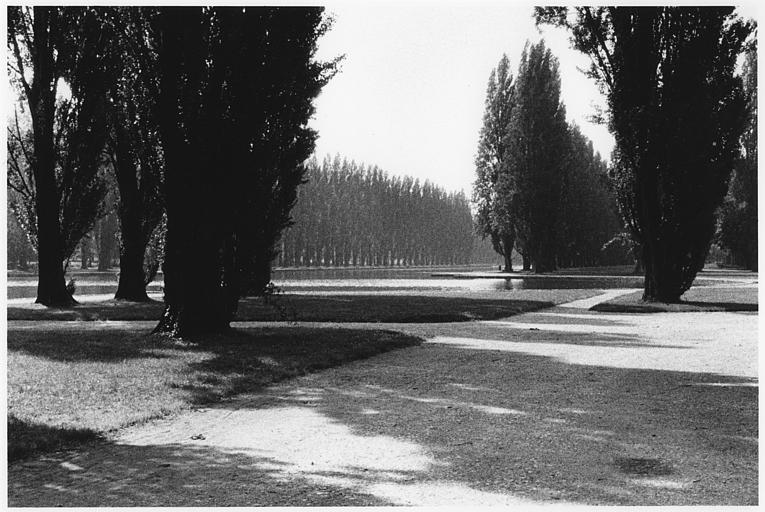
(74, 345)
(403, 308)
(697, 299)
(25, 438)
(438, 422)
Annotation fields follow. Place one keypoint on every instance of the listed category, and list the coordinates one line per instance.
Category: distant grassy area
(388, 307)
(694, 300)
(71, 387)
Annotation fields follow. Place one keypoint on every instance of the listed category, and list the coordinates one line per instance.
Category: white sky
(410, 95)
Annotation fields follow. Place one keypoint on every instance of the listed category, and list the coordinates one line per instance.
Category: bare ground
(563, 405)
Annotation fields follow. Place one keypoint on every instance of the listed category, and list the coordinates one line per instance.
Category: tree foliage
(134, 145)
(589, 216)
(59, 176)
(492, 218)
(236, 91)
(530, 182)
(349, 214)
(738, 222)
(676, 110)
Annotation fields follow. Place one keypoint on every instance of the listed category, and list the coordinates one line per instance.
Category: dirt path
(561, 405)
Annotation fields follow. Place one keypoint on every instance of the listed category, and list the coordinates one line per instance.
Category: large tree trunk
(132, 282)
(51, 286)
(195, 302)
(662, 282)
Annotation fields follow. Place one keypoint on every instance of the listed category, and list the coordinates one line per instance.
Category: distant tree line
(354, 214)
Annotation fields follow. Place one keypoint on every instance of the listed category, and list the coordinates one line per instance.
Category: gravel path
(558, 406)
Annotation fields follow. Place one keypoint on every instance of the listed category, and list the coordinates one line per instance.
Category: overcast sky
(410, 96)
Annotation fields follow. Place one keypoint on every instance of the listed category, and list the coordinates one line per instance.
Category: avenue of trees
(540, 186)
(192, 120)
(677, 110)
(351, 214)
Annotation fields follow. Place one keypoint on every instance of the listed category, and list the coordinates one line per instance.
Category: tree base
(66, 301)
(180, 324)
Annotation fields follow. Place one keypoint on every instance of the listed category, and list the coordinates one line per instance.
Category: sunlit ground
(558, 406)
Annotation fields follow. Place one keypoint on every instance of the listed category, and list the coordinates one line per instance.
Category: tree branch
(20, 65)
(600, 45)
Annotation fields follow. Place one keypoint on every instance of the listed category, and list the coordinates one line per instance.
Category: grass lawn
(696, 299)
(390, 307)
(74, 386)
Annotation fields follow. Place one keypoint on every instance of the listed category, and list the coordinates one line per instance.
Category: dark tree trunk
(51, 286)
(196, 303)
(507, 251)
(526, 262)
(132, 281)
(107, 229)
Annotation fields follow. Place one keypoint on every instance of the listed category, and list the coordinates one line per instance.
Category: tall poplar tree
(492, 219)
(531, 179)
(676, 109)
(63, 187)
(236, 92)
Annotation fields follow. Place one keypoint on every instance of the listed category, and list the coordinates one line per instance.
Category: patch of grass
(25, 438)
(388, 307)
(694, 300)
(68, 387)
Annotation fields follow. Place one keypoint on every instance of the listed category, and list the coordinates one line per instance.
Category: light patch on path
(605, 296)
(722, 342)
(298, 442)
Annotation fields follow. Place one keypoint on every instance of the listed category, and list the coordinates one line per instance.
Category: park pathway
(562, 405)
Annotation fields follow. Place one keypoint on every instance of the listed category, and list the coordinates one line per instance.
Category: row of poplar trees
(201, 114)
(352, 214)
(682, 119)
(540, 186)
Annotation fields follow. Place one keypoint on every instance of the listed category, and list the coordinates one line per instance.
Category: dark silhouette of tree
(531, 180)
(738, 223)
(62, 170)
(676, 110)
(134, 144)
(492, 219)
(589, 215)
(236, 92)
(106, 234)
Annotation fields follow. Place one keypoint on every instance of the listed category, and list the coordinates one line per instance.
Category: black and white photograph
(418, 253)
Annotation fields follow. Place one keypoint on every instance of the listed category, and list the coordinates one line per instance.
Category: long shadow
(536, 427)
(494, 422)
(85, 345)
(175, 475)
(403, 308)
